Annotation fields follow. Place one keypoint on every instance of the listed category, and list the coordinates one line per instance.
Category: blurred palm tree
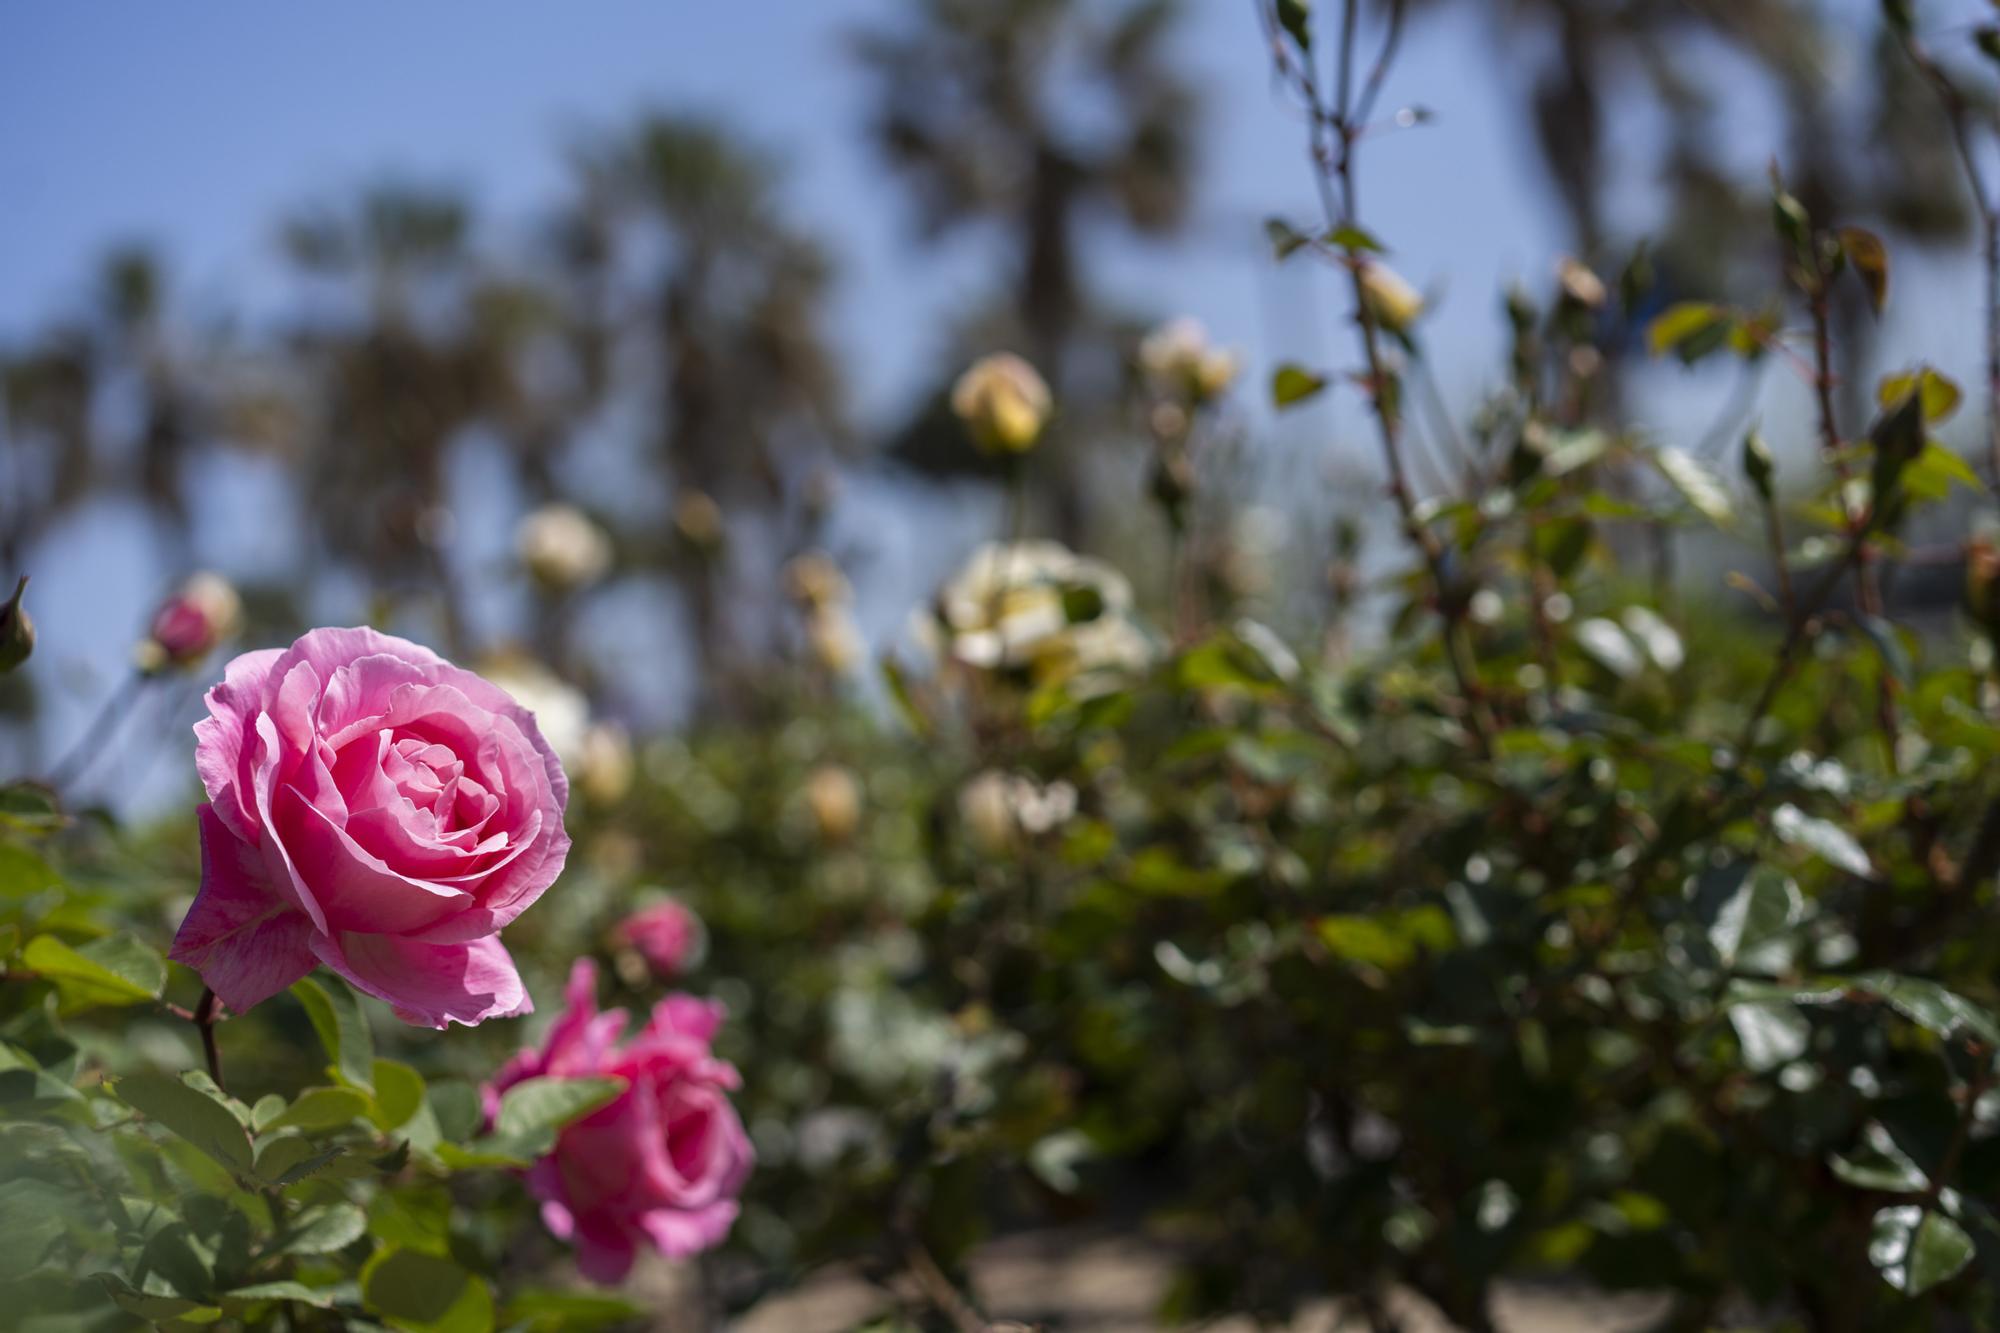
(692, 299)
(1035, 119)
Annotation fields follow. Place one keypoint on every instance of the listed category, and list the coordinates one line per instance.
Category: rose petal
(223, 739)
(430, 984)
(246, 943)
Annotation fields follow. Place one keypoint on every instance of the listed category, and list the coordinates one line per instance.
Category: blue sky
(196, 126)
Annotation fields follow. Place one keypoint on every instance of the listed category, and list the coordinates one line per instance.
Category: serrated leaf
(321, 1108)
(191, 1114)
(116, 970)
(550, 1103)
(337, 1017)
(324, 1230)
(318, 1297)
(425, 1291)
(289, 1160)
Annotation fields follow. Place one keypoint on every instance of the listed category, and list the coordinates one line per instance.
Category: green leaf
(1295, 17)
(1823, 838)
(324, 1230)
(544, 1311)
(23, 874)
(1355, 240)
(1388, 941)
(1770, 1033)
(1286, 240)
(1292, 384)
(550, 1103)
(1697, 485)
(1915, 1248)
(289, 1160)
(116, 970)
(456, 1106)
(1691, 330)
(283, 1291)
(1758, 467)
(1930, 1006)
(1750, 928)
(321, 1108)
(427, 1292)
(342, 1027)
(1870, 260)
(193, 1115)
(1937, 395)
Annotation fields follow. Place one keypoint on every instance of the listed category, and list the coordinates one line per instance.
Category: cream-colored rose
(1038, 606)
(996, 809)
(561, 547)
(560, 710)
(1003, 402)
(1392, 303)
(1180, 361)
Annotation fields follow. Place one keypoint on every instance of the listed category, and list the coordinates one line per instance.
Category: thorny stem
(205, 1018)
(1334, 131)
(116, 708)
(941, 1293)
(1867, 578)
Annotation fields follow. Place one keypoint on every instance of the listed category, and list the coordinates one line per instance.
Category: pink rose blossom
(665, 936)
(660, 1165)
(374, 808)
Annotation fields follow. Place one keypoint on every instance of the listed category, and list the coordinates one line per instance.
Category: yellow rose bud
(1003, 402)
(1391, 302)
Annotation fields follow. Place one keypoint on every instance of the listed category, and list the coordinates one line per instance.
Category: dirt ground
(1090, 1282)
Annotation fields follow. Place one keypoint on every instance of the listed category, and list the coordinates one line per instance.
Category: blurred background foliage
(1572, 864)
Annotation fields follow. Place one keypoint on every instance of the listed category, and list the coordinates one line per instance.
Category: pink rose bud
(374, 808)
(661, 1165)
(189, 624)
(666, 935)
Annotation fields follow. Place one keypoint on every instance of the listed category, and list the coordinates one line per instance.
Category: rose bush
(375, 809)
(660, 1165)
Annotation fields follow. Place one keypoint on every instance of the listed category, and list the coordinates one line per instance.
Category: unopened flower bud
(698, 518)
(189, 624)
(1391, 302)
(17, 631)
(1003, 402)
(561, 547)
(834, 797)
(1179, 359)
(815, 582)
(1580, 286)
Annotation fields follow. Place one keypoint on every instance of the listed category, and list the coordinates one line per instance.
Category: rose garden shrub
(1581, 926)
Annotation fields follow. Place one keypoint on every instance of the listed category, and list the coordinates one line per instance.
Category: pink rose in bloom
(665, 936)
(374, 808)
(661, 1164)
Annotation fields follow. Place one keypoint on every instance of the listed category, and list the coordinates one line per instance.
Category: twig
(940, 1291)
(97, 735)
(1334, 132)
(1957, 113)
(205, 1018)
